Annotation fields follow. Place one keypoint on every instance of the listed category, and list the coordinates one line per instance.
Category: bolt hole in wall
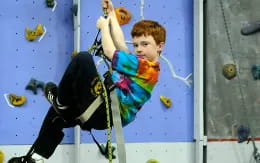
(46, 60)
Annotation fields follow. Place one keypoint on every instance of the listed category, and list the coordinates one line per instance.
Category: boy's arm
(117, 33)
(115, 29)
(106, 39)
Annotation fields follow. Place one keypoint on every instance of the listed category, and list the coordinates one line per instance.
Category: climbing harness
(255, 153)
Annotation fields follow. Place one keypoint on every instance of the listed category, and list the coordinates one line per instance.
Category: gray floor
(225, 108)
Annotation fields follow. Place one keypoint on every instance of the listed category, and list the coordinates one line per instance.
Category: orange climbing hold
(123, 15)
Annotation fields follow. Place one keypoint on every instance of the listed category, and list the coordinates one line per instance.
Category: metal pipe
(76, 21)
(198, 81)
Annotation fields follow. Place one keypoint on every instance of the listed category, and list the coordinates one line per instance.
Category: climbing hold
(75, 9)
(256, 71)
(243, 133)
(123, 15)
(32, 34)
(34, 84)
(50, 3)
(16, 100)
(2, 156)
(229, 71)
(74, 53)
(251, 28)
(152, 161)
(104, 151)
(166, 101)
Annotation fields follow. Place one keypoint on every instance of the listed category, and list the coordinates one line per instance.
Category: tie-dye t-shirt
(134, 78)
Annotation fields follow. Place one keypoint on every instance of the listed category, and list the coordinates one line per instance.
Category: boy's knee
(84, 57)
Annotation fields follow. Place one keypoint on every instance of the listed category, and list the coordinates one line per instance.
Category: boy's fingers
(105, 4)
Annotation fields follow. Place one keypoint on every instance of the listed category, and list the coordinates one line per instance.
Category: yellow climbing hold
(2, 156)
(152, 161)
(74, 53)
(16, 100)
(166, 101)
(32, 34)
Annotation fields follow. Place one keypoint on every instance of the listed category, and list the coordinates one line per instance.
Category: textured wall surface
(22, 60)
(231, 103)
(46, 61)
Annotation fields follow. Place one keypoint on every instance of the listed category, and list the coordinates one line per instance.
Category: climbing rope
(233, 56)
(109, 144)
(97, 50)
(105, 96)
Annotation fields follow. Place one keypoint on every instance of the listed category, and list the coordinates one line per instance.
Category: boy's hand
(102, 22)
(107, 5)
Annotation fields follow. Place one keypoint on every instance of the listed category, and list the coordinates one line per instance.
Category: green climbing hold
(152, 161)
(256, 71)
(50, 3)
(229, 71)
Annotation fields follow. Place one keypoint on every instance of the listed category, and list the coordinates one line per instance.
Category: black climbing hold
(242, 133)
(34, 84)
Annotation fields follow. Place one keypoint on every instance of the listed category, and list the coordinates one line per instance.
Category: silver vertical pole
(76, 22)
(198, 81)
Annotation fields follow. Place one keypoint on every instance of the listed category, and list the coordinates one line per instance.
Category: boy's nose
(139, 49)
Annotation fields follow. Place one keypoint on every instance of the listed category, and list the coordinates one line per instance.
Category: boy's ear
(160, 46)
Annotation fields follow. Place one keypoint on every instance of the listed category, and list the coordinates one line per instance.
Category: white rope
(186, 80)
(7, 100)
(54, 7)
(142, 10)
(44, 32)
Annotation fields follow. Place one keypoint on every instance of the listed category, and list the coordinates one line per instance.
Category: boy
(133, 75)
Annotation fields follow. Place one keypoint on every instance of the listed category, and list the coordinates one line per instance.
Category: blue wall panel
(22, 60)
(46, 61)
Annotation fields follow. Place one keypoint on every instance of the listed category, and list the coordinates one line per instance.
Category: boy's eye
(145, 43)
(135, 45)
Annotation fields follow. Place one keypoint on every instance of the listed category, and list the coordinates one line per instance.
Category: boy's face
(146, 47)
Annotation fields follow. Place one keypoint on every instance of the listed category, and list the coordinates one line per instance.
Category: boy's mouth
(141, 55)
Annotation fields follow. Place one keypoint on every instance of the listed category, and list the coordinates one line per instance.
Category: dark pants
(78, 88)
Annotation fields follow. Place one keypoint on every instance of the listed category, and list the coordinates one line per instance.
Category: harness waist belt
(91, 109)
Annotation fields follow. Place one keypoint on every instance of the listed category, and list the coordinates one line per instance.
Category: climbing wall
(46, 60)
(235, 102)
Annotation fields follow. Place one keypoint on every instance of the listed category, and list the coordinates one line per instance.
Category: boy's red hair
(149, 27)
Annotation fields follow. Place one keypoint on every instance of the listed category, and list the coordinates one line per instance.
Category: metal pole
(198, 81)
(76, 21)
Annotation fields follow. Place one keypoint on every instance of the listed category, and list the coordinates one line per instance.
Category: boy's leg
(80, 83)
(49, 138)
(50, 134)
